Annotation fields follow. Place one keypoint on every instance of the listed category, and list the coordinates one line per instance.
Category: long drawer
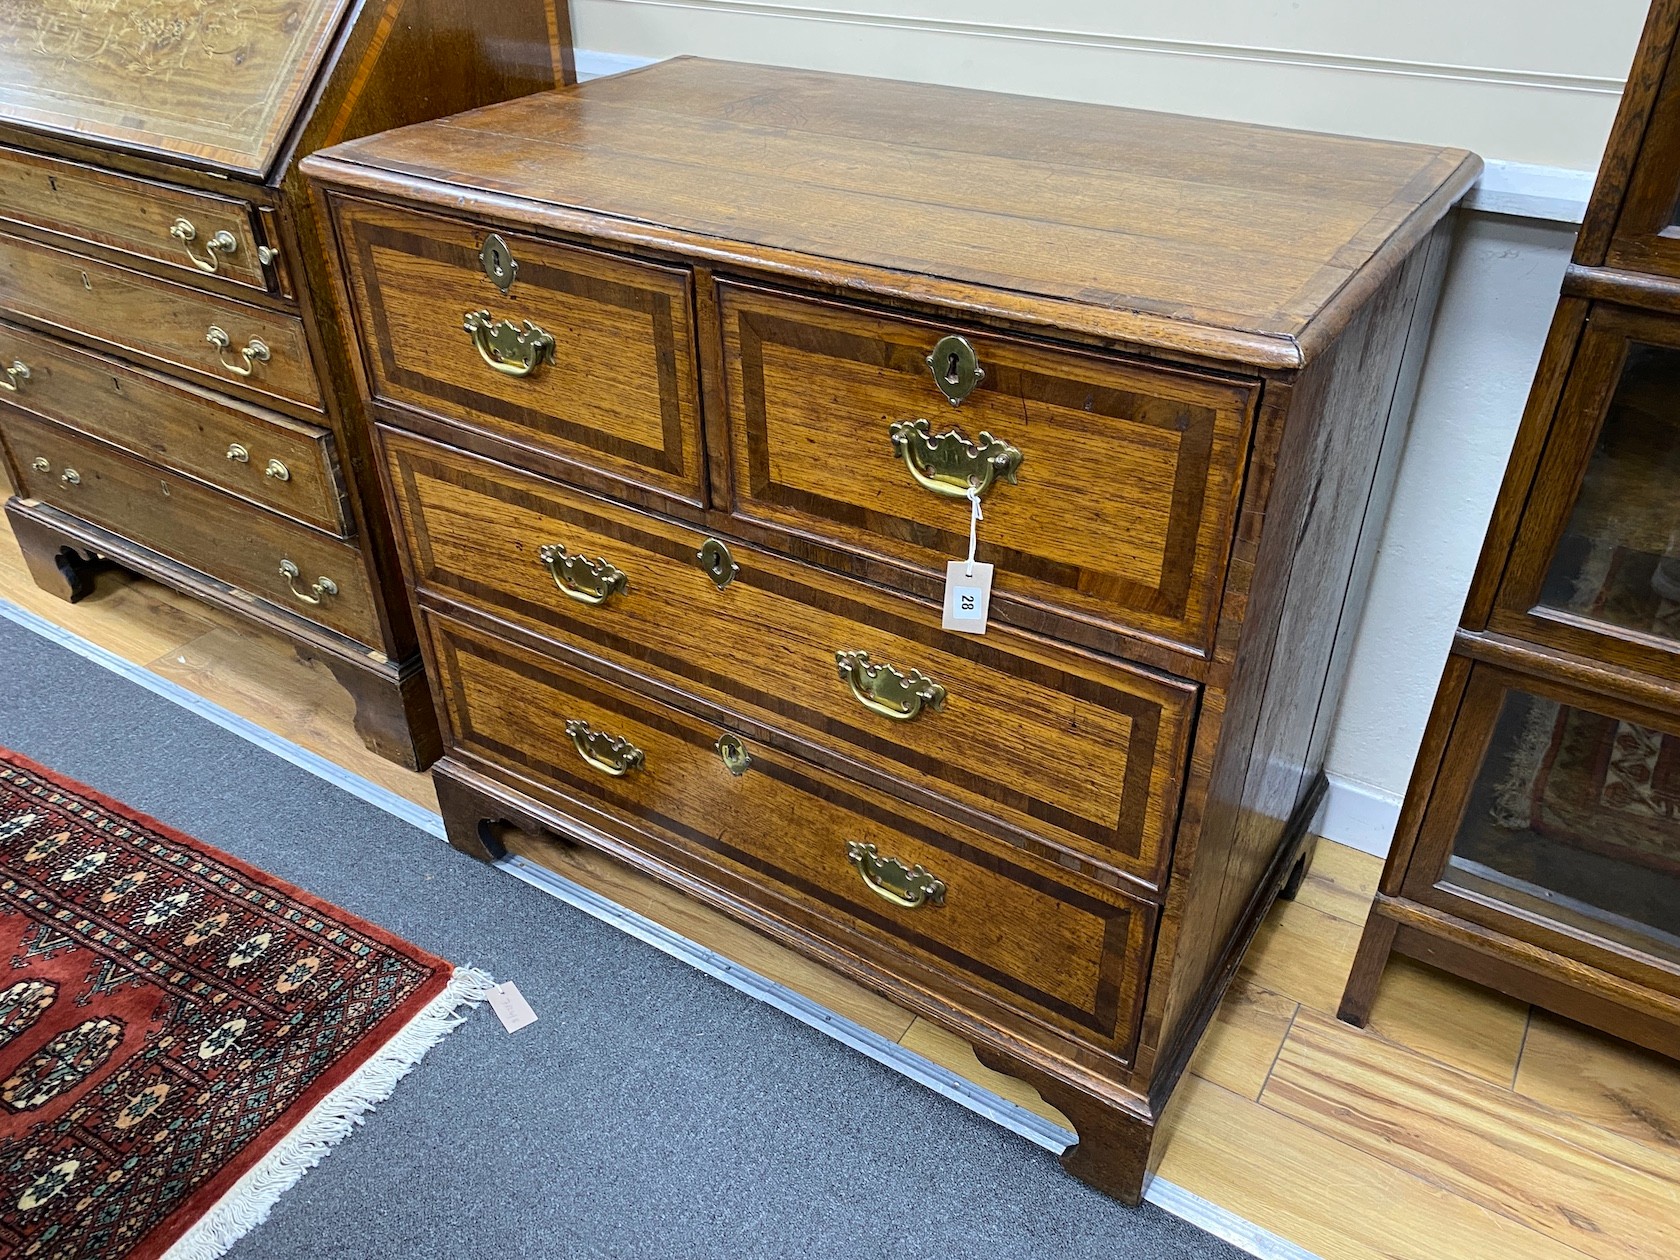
(1051, 743)
(849, 863)
(288, 564)
(229, 343)
(283, 464)
(613, 387)
(1109, 485)
(200, 233)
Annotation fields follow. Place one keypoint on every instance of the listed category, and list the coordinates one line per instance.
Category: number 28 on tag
(968, 596)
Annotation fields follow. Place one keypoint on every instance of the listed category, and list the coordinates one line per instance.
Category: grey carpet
(651, 1112)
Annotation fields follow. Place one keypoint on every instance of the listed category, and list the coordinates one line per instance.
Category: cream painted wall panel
(1502, 287)
(1521, 80)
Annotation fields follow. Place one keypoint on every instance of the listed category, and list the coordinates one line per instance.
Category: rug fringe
(249, 1202)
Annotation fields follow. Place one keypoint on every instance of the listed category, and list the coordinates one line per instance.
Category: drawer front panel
(1070, 951)
(200, 233)
(1121, 506)
(1048, 742)
(619, 390)
(281, 463)
(161, 321)
(210, 531)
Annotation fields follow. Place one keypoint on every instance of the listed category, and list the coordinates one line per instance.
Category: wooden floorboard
(1459, 1127)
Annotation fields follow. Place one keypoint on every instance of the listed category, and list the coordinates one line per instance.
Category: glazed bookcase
(1539, 846)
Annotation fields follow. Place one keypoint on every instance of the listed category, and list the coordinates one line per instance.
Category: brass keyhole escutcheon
(714, 558)
(736, 759)
(498, 262)
(956, 368)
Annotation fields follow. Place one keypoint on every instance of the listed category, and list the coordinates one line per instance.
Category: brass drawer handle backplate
(882, 689)
(585, 580)
(255, 351)
(319, 590)
(277, 470)
(70, 477)
(609, 754)
(889, 879)
(516, 350)
(13, 377)
(221, 243)
(948, 463)
(238, 454)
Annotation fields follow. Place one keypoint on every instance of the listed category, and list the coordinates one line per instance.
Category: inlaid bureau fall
(176, 398)
(684, 382)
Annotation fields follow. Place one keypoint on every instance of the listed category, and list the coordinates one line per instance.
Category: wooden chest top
(1221, 239)
(212, 81)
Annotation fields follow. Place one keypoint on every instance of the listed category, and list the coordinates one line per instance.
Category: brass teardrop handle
(510, 348)
(948, 463)
(14, 376)
(882, 689)
(610, 754)
(255, 351)
(910, 887)
(221, 243)
(70, 477)
(319, 590)
(238, 454)
(580, 578)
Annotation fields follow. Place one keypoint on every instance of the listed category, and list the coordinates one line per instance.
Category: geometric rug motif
(180, 1033)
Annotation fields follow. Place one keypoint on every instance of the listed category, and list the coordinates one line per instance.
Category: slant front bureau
(687, 384)
(173, 393)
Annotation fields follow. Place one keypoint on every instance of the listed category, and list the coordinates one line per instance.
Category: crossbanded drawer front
(230, 344)
(608, 379)
(1059, 747)
(1109, 486)
(199, 233)
(203, 528)
(283, 464)
(1019, 931)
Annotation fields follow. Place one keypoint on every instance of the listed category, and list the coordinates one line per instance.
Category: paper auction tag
(968, 596)
(511, 1007)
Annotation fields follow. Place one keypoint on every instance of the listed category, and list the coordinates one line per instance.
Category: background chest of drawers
(681, 381)
(175, 396)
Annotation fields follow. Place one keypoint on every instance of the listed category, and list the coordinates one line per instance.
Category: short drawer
(290, 565)
(198, 232)
(1109, 485)
(229, 343)
(1055, 745)
(283, 464)
(587, 356)
(814, 845)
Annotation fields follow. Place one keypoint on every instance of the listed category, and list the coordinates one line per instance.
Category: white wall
(1528, 84)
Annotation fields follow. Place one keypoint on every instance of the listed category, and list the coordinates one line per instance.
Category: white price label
(968, 596)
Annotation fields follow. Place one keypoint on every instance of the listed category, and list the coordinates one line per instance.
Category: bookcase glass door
(1559, 814)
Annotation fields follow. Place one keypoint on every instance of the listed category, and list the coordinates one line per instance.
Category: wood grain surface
(131, 216)
(192, 523)
(1122, 506)
(159, 322)
(1122, 219)
(181, 427)
(1106, 741)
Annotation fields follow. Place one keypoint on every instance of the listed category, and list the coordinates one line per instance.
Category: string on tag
(975, 516)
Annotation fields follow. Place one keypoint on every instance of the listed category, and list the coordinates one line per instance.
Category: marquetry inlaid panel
(213, 80)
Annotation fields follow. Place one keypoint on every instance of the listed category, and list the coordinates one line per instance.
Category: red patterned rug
(181, 1035)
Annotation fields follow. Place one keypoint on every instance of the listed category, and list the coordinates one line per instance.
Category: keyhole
(496, 259)
(951, 369)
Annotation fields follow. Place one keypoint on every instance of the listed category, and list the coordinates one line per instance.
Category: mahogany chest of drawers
(175, 397)
(685, 384)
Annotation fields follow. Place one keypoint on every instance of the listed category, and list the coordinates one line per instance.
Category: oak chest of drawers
(175, 397)
(685, 384)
